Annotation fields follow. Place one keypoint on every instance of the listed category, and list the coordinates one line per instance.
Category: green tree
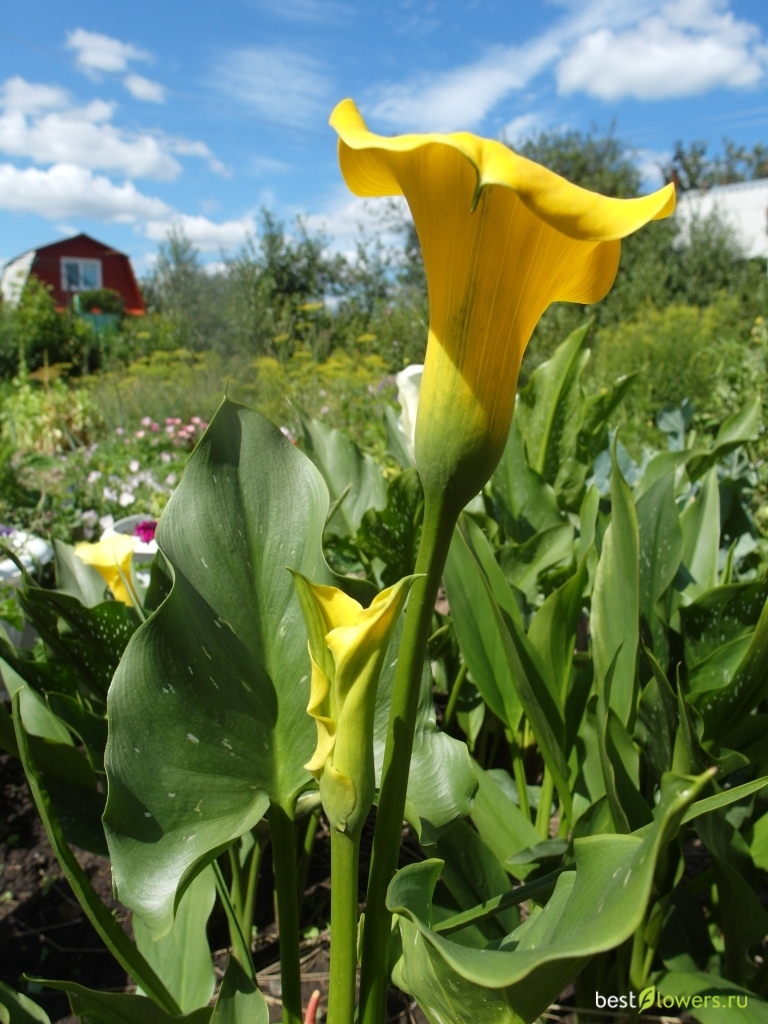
(601, 163)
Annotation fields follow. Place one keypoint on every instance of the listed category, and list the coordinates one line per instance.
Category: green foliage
(101, 300)
(601, 163)
(691, 168)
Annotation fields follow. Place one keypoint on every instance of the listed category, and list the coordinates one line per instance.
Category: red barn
(74, 265)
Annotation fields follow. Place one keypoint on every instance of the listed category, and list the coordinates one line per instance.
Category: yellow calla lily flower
(110, 557)
(347, 645)
(502, 238)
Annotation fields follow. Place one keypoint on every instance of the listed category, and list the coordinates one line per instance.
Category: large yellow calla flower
(112, 558)
(347, 645)
(502, 238)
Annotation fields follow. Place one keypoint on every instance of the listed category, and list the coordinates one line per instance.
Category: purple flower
(5, 531)
(145, 530)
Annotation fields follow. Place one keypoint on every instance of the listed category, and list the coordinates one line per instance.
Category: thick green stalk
(344, 867)
(305, 854)
(437, 531)
(284, 866)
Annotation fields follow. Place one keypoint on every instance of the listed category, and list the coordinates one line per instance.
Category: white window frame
(65, 285)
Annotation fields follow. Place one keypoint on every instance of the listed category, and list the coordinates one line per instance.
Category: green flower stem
(521, 782)
(254, 864)
(439, 521)
(235, 891)
(344, 867)
(450, 708)
(305, 854)
(284, 866)
(545, 803)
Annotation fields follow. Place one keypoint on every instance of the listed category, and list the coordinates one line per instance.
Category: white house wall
(744, 206)
(15, 276)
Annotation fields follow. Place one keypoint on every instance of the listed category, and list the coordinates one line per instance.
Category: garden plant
(590, 803)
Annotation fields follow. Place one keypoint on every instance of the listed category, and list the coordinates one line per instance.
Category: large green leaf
(616, 599)
(239, 1001)
(353, 479)
(594, 908)
(120, 1007)
(183, 958)
(208, 707)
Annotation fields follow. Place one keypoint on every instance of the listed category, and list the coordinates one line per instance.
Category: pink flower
(154, 427)
(140, 433)
(145, 530)
(146, 421)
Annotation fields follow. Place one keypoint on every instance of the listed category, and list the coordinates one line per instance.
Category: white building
(743, 205)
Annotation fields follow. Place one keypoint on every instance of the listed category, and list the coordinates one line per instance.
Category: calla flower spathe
(111, 557)
(347, 644)
(502, 238)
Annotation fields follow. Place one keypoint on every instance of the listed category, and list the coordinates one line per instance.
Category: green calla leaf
(718, 998)
(471, 601)
(120, 1007)
(525, 504)
(392, 534)
(616, 599)
(550, 409)
(661, 551)
(239, 1001)
(183, 958)
(208, 706)
(593, 908)
(501, 824)
(16, 1008)
(350, 475)
(545, 551)
(77, 579)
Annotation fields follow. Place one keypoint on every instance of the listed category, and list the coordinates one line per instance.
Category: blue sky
(122, 120)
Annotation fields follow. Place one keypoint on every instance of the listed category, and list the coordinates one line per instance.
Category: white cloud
(650, 49)
(687, 48)
(64, 191)
(97, 52)
(462, 98)
(31, 97)
(521, 128)
(649, 163)
(39, 123)
(282, 85)
(144, 89)
(205, 234)
(308, 10)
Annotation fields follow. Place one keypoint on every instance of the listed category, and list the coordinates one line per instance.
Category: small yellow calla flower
(347, 645)
(502, 238)
(110, 557)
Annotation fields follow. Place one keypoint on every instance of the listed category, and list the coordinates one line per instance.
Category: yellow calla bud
(502, 238)
(347, 645)
(110, 557)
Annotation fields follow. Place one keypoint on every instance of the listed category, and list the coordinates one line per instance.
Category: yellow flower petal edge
(110, 557)
(343, 699)
(502, 238)
(573, 210)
